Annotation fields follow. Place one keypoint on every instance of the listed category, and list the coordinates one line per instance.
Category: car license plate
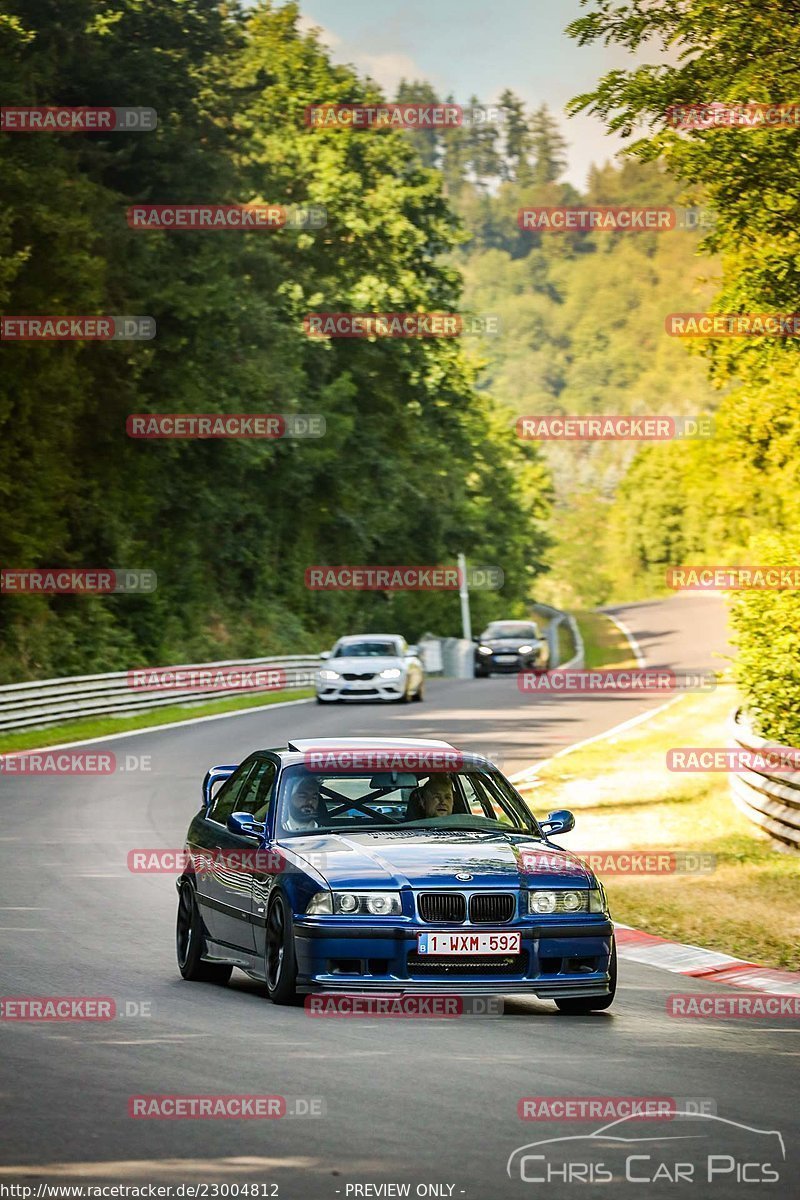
(506, 657)
(469, 943)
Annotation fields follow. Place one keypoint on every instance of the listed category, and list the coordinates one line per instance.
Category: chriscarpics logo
(683, 1147)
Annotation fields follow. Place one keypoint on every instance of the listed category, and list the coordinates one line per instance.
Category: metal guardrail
(49, 701)
(771, 801)
(556, 617)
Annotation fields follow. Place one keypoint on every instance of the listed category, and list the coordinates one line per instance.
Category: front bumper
(372, 689)
(562, 959)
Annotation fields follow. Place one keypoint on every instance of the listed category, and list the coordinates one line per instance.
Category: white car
(371, 666)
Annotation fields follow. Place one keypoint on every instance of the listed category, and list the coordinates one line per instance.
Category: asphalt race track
(418, 1102)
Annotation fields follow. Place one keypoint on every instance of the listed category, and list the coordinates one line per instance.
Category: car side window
(256, 796)
(475, 804)
(481, 802)
(228, 795)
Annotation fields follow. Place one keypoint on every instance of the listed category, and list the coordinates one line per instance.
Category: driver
(437, 796)
(303, 808)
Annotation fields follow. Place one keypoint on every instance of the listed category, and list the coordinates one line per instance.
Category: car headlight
(391, 673)
(525, 649)
(484, 650)
(373, 904)
(328, 675)
(577, 900)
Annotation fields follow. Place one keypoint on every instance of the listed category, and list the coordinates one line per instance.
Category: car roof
(367, 743)
(371, 637)
(514, 621)
(295, 751)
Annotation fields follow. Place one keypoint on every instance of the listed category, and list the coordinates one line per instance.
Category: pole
(463, 591)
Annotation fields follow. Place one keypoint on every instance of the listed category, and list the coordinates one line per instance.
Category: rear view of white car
(373, 666)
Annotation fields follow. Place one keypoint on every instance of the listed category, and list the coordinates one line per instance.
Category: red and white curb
(637, 946)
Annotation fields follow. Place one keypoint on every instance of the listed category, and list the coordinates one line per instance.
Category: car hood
(362, 665)
(432, 858)
(509, 645)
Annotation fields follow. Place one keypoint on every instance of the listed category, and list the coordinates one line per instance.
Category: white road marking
(635, 647)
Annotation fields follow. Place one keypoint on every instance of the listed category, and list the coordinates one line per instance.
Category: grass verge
(624, 797)
(604, 644)
(107, 726)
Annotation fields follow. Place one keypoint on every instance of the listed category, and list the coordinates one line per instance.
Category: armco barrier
(770, 801)
(556, 617)
(33, 705)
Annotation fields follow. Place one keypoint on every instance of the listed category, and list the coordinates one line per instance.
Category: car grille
(442, 906)
(351, 678)
(425, 964)
(492, 908)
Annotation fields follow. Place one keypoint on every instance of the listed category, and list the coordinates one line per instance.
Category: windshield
(338, 801)
(513, 631)
(366, 650)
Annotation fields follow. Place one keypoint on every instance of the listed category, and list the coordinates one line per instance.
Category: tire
(481, 674)
(419, 694)
(190, 943)
(280, 963)
(577, 1006)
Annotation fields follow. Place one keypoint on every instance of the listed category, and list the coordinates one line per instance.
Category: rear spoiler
(215, 775)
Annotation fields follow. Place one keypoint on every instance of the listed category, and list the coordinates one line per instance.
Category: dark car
(510, 646)
(395, 866)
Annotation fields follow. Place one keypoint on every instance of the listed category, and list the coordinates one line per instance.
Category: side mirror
(243, 824)
(561, 821)
(325, 654)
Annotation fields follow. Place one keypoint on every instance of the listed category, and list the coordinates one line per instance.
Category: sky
(480, 47)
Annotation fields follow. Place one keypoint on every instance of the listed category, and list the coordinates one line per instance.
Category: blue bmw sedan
(387, 866)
